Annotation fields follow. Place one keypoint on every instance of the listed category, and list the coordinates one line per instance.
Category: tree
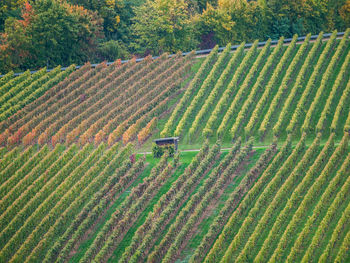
(338, 14)
(112, 50)
(163, 26)
(344, 12)
(51, 32)
(9, 8)
(117, 16)
(233, 21)
(303, 16)
(215, 26)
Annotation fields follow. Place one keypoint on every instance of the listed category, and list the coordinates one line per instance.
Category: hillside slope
(266, 93)
(94, 204)
(74, 189)
(100, 104)
(263, 92)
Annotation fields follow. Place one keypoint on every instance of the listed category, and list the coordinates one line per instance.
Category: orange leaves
(117, 63)
(27, 14)
(129, 134)
(4, 136)
(117, 133)
(44, 137)
(119, 102)
(29, 138)
(112, 138)
(99, 137)
(84, 139)
(16, 137)
(146, 131)
(71, 136)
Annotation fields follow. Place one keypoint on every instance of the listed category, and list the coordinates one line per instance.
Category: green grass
(188, 125)
(166, 229)
(185, 160)
(276, 88)
(204, 226)
(197, 141)
(330, 230)
(199, 137)
(283, 135)
(221, 91)
(279, 209)
(337, 244)
(274, 91)
(311, 208)
(324, 210)
(85, 245)
(328, 89)
(161, 122)
(142, 218)
(187, 143)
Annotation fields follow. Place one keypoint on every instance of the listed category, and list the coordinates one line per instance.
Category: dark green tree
(233, 21)
(10, 8)
(163, 26)
(116, 14)
(51, 32)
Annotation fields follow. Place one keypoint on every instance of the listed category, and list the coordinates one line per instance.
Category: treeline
(40, 33)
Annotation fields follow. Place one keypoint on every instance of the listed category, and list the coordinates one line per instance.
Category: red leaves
(27, 14)
(132, 158)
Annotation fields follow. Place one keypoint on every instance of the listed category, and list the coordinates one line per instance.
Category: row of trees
(50, 32)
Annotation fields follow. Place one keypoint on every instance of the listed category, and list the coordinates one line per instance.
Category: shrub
(158, 151)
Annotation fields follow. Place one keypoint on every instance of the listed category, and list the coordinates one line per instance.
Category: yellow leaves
(228, 4)
(228, 26)
(218, 18)
(110, 3)
(345, 12)
(146, 131)
(12, 5)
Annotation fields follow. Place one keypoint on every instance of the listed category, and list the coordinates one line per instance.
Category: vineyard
(269, 182)
(94, 104)
(266, 93)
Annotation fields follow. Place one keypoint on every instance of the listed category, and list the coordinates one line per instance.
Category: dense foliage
(52, 32)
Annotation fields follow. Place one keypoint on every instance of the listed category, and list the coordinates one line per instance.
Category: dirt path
(222, 149)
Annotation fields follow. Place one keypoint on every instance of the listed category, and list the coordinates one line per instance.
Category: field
(266, 93)
(267, 179)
